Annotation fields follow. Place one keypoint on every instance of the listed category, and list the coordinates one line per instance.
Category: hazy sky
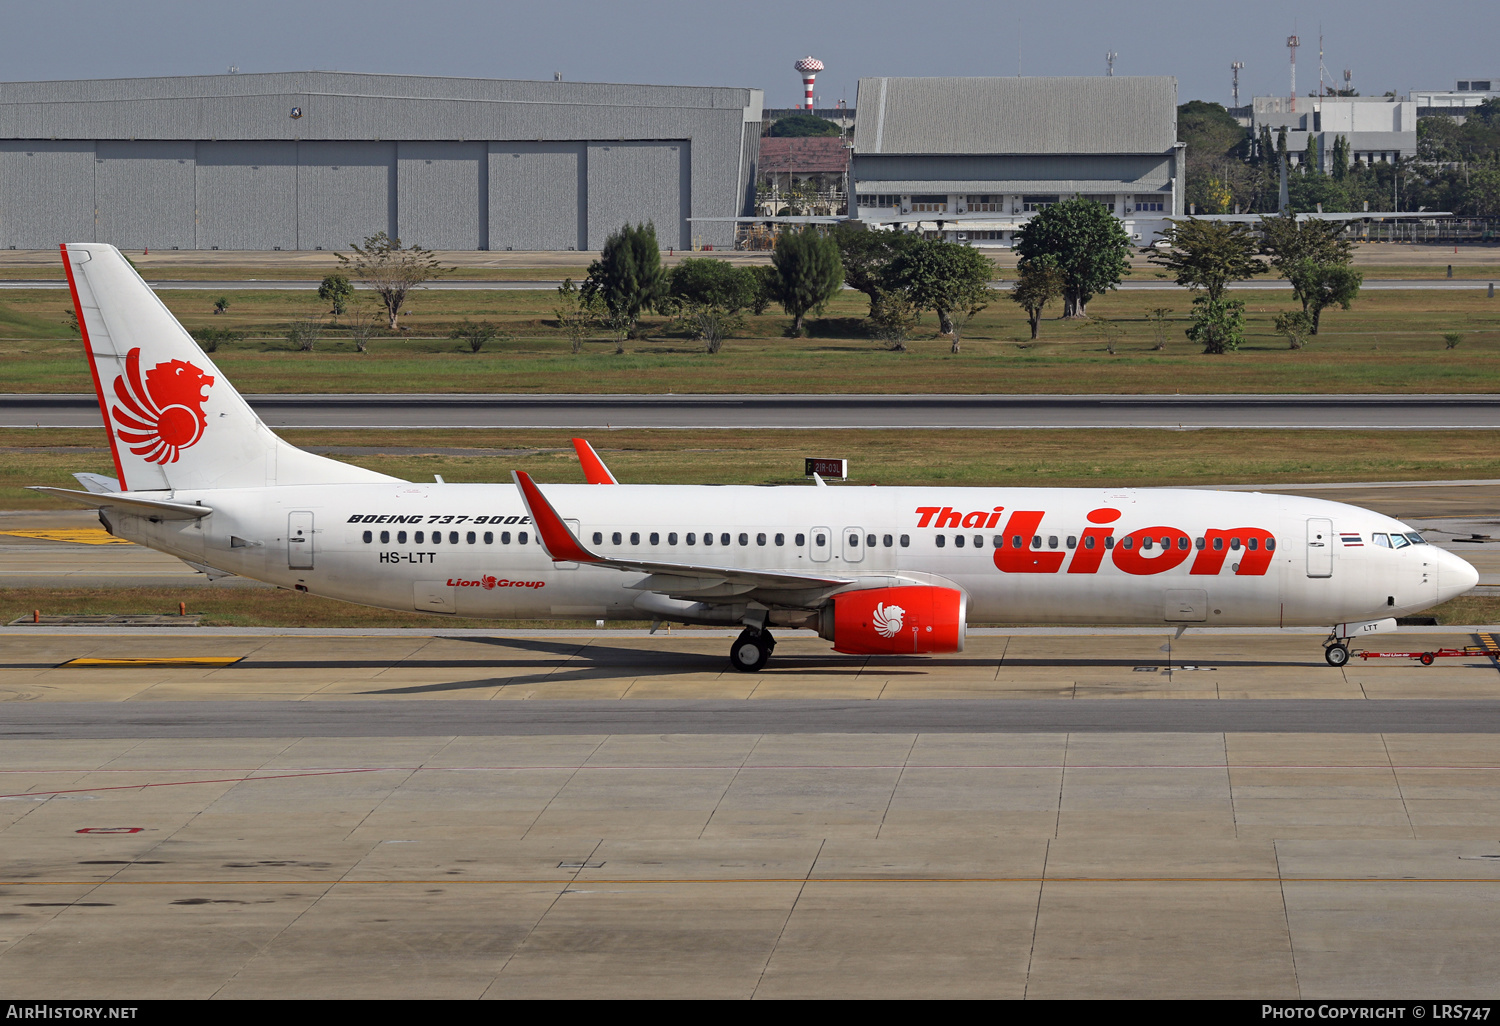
(1387, 44)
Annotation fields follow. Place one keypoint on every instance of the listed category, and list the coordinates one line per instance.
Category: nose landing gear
(1336, 652)
(751, 650)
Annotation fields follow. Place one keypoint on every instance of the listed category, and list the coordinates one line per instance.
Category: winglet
(554, 534)
(594, 470)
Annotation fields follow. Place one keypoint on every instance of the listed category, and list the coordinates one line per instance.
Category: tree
(800, 126)
(808, 270)
(1299, 249)
(1208, 255)
(1311, 165)
(1218, 324)
(361, 326)
(948, 278)
(894, 319)
(221, 305)
(1039, 284)
(476, 335)
(711, 295)
(767, 283)
(1340, 158)
(391, 270)
(1214, 171)
(867, 257)
(1087, 245)
(628, 277)
(1321, 285)
(1296, 326)
(576, 313)
(336, 289)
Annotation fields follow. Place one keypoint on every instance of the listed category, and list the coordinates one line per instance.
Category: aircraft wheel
(750, 651)
(1337, 655)
(1425, 658)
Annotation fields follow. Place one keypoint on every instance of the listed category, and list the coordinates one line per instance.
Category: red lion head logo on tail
(162, 414)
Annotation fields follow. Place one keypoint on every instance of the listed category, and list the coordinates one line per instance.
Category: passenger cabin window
(369, 537)
(671, 537)
(598, 537)
(958, 540)
(504, 538)
(418, 537)
(521, 538)
(800, 540)
(655, 538)
(781, 540)
(615, 538)
(471, 538)
(941, 541)
(818, 540)
(905, 541)
(401, 537)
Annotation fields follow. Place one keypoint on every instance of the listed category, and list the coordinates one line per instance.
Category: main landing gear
(751, 650)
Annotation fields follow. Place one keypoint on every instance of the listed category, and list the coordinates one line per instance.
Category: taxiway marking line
(717, 881)
(143, 662)
(179, 783)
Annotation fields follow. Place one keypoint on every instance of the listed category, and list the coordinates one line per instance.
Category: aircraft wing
(696, 580)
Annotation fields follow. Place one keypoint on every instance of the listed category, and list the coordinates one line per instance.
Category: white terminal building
(973, 159)
(1378, 128)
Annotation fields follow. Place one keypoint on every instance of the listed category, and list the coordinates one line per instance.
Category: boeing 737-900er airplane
(873, 570)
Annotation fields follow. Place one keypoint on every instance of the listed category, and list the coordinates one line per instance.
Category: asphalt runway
(415, 814)
(797, 412)
(518, 285)
(187, 719)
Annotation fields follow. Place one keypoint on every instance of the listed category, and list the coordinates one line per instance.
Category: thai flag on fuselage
(1351, 539)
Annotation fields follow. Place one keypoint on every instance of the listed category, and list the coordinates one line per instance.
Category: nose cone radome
(1455, 576)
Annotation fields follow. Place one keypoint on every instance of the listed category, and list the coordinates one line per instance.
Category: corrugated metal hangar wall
(320, 160)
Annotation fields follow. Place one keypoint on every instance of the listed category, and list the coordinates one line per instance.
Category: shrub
(1452, 339)
(211, 338)
(476, 335)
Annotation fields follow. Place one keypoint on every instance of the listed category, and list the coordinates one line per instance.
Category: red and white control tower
(809, 68)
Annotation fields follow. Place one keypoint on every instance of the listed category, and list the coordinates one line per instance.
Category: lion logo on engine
(888, 620)
(161, 414)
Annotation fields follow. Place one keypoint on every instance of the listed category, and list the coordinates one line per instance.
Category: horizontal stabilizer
(158, 508)
(99, 483)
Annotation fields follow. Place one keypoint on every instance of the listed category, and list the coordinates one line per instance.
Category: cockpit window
(1416, 539)
(1381, 540)
(1399, 541)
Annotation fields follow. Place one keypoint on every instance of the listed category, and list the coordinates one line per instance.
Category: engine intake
(914, 620)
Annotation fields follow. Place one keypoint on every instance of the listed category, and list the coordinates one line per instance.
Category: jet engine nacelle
(897, 621)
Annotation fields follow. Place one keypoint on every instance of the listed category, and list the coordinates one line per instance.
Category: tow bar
(1489, 648)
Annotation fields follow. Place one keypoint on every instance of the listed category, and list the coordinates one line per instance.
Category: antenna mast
(1109, 61)
(1292, 42)
(1235, 67)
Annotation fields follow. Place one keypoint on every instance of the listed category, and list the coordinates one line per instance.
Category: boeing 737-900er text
(874, 570)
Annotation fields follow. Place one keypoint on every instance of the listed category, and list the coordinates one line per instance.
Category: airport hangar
(973, 159)
(317, 160)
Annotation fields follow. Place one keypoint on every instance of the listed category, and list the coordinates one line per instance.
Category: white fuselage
(1231, 558)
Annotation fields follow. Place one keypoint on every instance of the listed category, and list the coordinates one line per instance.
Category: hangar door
(46, 193)
(538, 195)
(247, 195)
(440, 194)
(636, 182)
(144, 192)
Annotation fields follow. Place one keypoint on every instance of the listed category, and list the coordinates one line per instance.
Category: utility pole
(1109, 61)
(1292, 42)
(1235, 67)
